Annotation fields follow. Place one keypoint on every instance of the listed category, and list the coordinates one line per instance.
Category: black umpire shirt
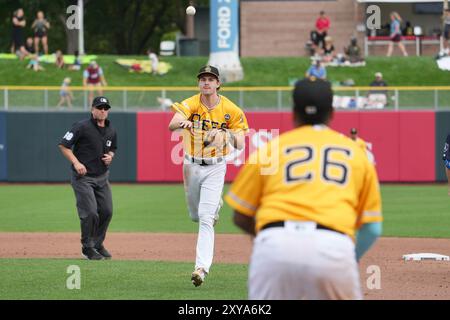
(89, 143)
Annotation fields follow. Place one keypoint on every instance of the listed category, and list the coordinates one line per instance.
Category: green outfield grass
(150, 280)
(270, 71)
(409, 210)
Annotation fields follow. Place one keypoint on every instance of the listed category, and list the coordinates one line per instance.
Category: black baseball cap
(313, 99)
(353, 131)
(208, 70)
(100, 101)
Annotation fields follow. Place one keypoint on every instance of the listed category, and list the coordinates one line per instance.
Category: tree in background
(110, 26)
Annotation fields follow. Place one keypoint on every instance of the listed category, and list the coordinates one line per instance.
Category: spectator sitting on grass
(59, 59)
(328, 53)
(76, 66)
(29, 45)
(317, 71)
(34, 63)
(353, 52)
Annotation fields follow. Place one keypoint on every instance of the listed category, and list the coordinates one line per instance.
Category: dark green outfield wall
(3, 168)
(33, 154)
(442, 130)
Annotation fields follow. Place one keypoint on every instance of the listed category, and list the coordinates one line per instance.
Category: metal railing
(35, 98)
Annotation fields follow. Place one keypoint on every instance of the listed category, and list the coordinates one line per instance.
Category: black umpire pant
(94, 205)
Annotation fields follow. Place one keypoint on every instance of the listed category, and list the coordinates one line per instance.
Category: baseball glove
(216, 138)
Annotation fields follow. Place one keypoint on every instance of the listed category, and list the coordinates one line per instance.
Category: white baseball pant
(203, 187)
(298, 261)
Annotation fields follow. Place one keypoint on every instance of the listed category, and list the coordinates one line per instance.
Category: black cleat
(91, 254)
(102, 250)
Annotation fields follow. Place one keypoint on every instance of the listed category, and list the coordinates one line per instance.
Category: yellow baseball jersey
(361, 143)
(225, 115)
(314, 174)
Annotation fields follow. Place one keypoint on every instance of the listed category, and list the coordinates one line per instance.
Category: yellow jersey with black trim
(361, 143)
(224, 115)
(311, 173)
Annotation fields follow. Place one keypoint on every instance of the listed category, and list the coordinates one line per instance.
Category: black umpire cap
(100, 101)
(208, 70)
(313, 100)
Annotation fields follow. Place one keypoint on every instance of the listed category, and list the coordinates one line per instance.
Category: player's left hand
(107, 159)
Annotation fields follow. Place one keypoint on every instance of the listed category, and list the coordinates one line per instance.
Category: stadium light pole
(81, 30)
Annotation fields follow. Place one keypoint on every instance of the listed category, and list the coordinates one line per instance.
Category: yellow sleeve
(370, 198)
(245, 193)
(182, 108)
(238, 122)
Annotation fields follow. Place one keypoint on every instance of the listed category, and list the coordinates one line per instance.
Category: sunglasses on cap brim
(103, 107)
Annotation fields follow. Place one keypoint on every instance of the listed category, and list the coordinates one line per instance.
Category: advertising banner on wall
(160, 160)
(224, 39)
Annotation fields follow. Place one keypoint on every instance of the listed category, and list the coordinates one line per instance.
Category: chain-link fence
(249, 98)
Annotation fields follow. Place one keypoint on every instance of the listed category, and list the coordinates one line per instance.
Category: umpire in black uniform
(90, 146)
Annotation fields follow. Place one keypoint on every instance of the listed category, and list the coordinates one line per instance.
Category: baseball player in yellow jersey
(305, 214)
(211, 124)
(366, 146)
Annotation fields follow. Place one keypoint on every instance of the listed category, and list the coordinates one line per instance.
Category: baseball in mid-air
(190, 10)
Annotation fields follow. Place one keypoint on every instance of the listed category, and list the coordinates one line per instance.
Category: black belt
(281, 224)
(204, 162)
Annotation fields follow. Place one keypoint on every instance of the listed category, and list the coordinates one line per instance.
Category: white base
(425, 256)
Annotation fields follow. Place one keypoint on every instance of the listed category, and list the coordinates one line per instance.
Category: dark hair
(313, 101)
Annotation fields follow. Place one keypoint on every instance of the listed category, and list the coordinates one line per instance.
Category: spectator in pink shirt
(322, 27)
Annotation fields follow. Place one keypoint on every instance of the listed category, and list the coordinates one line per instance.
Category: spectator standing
(377, 98)
(447, 30)
(396, 34)
(93, 77)
(65, 93)
(40, 28)
(19, 23)
(153, 61)
(378, 82)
